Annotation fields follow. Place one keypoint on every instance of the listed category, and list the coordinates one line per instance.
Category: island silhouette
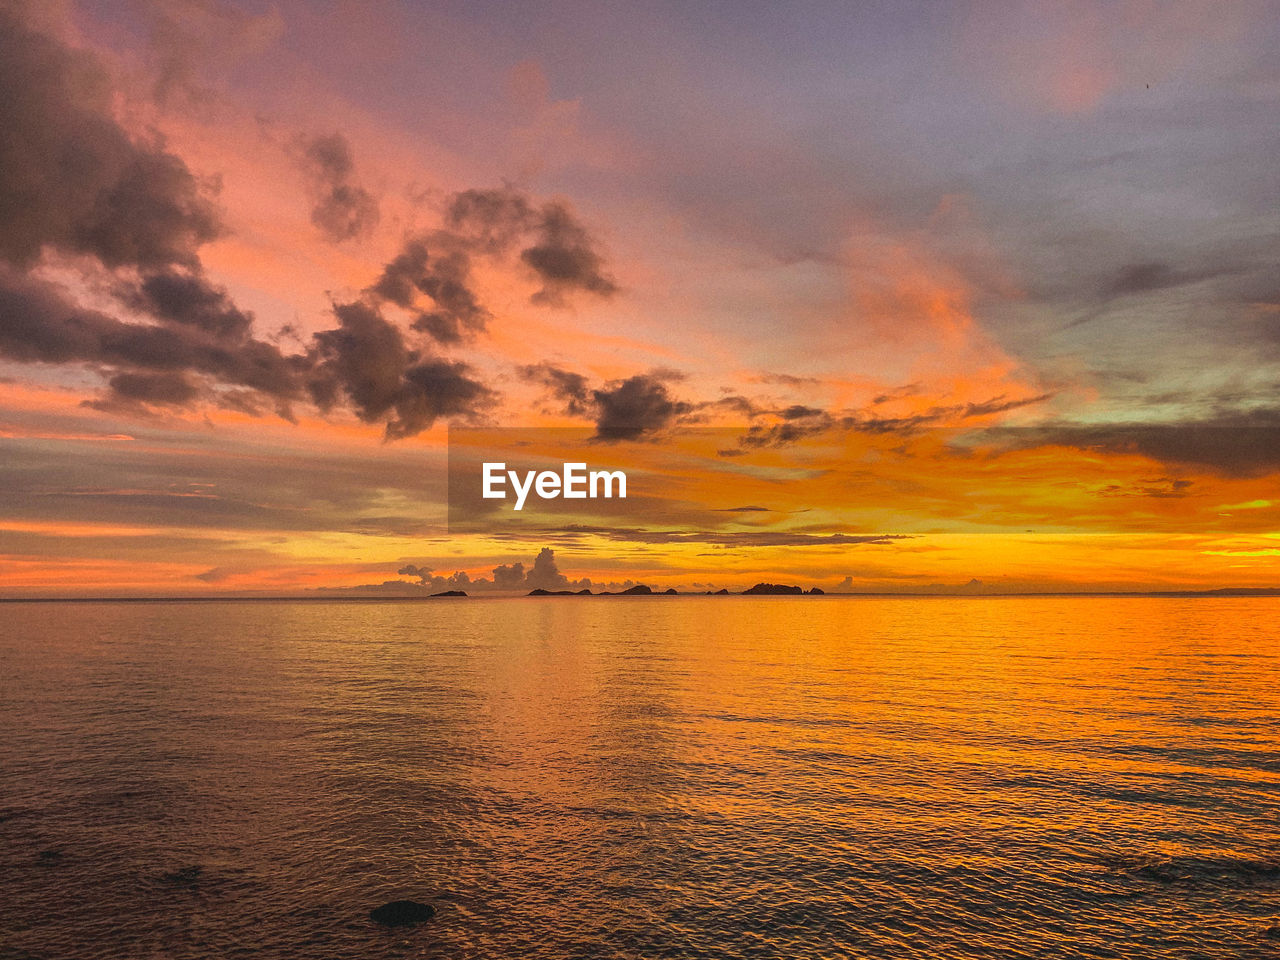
(643, 590)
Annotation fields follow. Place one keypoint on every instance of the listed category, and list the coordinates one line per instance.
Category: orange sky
(928, 342)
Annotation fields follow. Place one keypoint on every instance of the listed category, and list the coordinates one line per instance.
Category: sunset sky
(974, 297)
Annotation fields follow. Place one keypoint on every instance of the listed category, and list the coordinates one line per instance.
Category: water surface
(648, 777)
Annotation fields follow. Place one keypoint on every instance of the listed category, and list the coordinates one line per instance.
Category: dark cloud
(554, 244)
(1238, 443)
(39, 324)
(622, 409)
(508, 576)
(907, 390)
(76, 187)
(565, 259)
(433, 389)
(1146, 277)
(568, 387)
(1000, 405)
(191, 300)
(491, 221)
(787, 433)
(365, 358)
(545, 573)
(445, 277)
(631, 408)
(71, 179)
(344, 210)
(799, 422)
(800, 412)
(172, 389)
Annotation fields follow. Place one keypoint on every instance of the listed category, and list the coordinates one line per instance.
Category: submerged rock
(402, 913)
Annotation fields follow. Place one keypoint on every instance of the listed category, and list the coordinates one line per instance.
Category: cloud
(1236, 443)
(631, 408)
(74, 183)
(131, 218)
(568, 387)
(1160, 488)
(565, 259)
(554, 244)
(188, 35)
(799, 422)
(365, 358)
(626, 409)
(77, 191)
(433, 389)
(745, 538)
(1146, 277)
(544, 574)
(72, 179)
(445, 277)
(169, 388)
(39, 324)
(344, 210)
(489, 223)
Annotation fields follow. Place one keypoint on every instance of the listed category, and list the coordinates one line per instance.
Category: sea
(665, 777)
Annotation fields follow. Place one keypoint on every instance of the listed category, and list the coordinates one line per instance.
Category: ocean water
(665, 777)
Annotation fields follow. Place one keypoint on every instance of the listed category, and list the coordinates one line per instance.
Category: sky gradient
(902, 297)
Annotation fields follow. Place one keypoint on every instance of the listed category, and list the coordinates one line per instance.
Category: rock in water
(402, 913)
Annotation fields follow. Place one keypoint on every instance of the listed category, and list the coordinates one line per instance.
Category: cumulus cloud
(431, 277)
(543, 574)
(626, 409)
(39, 324)
(75, 185)
(639, 405)
(564, 258)
(554, 244)
(344, 210)
(366, 360)
(79, 192)
(72, 179)
(439, 267)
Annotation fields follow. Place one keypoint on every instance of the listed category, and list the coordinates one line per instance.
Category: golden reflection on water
(819, 777)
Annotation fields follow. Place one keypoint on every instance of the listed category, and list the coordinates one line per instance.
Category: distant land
(642, 590)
